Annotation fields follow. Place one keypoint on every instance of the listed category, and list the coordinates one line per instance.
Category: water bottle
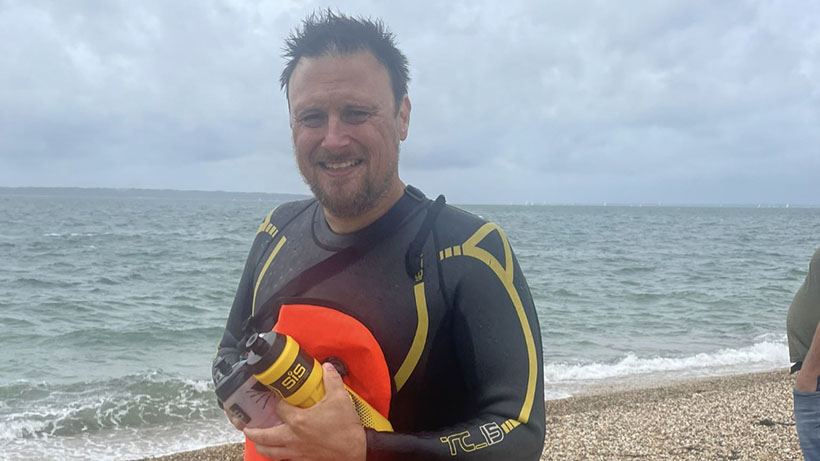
(244, 396)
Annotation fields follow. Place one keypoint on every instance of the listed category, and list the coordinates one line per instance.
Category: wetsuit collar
(407, 205)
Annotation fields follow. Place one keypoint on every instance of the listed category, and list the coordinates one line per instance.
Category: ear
(404, 118)
(290, 116)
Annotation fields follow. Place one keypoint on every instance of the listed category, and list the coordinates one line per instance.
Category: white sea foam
(121, 444)
(562, 379)
(134, 401)
(200, 385)
(125, 418)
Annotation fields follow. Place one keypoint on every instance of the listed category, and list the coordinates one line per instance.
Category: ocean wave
(131, 417)
(29, 283)
(69, 234)
(15, 323)
(770, 352)
(42, 410)
(129, 443)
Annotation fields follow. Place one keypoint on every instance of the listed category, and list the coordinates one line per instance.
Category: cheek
(303, 145)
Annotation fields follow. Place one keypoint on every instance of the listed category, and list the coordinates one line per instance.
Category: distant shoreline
(747, 416)
(144, 193)
(45, 191)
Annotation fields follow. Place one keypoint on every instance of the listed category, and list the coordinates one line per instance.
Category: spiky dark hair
(329, 33)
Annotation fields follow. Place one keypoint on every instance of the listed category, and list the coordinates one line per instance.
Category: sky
(521, 101)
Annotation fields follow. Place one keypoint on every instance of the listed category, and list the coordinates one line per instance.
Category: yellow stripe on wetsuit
(419, 339)
(505, 274)
(266, 226)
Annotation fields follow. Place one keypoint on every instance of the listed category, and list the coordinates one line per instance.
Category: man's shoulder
(289, 210)
(452, 215)
(457, 226)
(283, 214)
(467, 241)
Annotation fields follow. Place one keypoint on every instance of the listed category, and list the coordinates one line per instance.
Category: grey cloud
(696, 89)
(186, 71)
(541, 98)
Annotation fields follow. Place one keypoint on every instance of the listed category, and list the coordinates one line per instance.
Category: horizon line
(654, 203)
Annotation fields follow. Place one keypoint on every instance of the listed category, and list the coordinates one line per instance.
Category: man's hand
(806, 381)
(329, 430)
(807, 376)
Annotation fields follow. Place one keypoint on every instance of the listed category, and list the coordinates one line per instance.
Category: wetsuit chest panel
(375, 290)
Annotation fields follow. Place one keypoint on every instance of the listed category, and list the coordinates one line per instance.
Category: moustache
(324, 156)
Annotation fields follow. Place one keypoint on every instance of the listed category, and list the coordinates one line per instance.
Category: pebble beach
(739, 417)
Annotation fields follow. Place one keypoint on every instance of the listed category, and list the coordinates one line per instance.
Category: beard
(354, 197)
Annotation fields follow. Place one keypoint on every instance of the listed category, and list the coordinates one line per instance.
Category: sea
(112, 303)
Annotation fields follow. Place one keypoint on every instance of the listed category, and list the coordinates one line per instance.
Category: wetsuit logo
(491, 432)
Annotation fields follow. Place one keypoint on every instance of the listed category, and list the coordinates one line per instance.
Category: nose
(336, 138)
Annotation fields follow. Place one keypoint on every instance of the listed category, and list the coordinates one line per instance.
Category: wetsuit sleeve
(243, 301)
(498, 345)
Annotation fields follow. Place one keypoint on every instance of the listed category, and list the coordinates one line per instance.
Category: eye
(312, 119)
(355, 116)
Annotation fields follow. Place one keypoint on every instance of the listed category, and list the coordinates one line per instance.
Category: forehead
(358, 78)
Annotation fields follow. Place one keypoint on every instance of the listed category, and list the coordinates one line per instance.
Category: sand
(741, 417)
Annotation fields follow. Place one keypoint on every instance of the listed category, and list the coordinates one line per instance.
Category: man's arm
(498, 346)
(810, 370)
(809, 293)
(243, 300)
(242, 307)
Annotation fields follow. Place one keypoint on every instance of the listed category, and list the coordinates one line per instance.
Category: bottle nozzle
(257, 344)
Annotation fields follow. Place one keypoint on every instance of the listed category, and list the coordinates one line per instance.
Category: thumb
(331, 378)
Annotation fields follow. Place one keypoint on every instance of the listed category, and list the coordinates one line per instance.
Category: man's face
(346, 131)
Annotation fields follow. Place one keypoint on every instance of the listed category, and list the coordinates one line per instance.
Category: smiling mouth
(334, 166)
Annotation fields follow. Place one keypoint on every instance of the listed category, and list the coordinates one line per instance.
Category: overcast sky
(515, 101)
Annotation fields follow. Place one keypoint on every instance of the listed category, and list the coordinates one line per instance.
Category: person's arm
(810, 293)
(242, 305)
(810, 370)
(498, 346)
(228, 347)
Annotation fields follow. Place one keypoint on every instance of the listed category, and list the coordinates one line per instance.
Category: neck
(346, 225)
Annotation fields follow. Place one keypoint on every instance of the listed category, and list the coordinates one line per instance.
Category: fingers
(286, 410)
(274, 442)
(279, 453)
(276, 436)
(334, 388)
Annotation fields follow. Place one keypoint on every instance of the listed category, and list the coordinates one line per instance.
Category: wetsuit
(459, 339)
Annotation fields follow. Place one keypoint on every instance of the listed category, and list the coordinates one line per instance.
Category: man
(423, 304)
(804, 350)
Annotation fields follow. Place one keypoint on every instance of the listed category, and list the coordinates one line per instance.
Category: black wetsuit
(462, 342)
